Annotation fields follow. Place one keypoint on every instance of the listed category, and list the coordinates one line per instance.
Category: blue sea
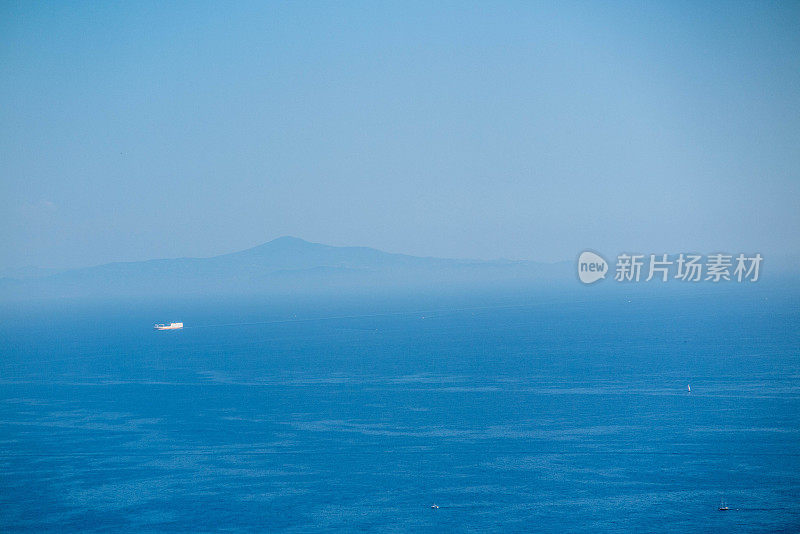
(530, 413)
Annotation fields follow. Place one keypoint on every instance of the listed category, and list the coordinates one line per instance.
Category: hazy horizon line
(5, 270)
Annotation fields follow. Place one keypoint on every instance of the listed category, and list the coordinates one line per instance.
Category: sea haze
(531, 412)
(287, 265)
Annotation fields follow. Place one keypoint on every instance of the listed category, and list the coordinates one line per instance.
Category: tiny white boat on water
(170, 326)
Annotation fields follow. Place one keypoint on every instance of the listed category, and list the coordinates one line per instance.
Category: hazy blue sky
(522, 130)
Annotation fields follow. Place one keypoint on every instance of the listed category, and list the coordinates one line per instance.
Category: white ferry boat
(170, 326)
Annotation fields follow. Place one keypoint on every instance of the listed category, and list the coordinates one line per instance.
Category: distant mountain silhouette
(284, 265)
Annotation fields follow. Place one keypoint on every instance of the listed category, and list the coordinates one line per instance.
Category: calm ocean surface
(554, 415)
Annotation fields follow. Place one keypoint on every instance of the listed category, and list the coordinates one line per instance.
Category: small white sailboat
(170, 326)
(689, 388)
(723, 507)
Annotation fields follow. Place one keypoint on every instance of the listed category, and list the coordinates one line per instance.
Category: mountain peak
(284, 264)
(288, 240)
(283, 246)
